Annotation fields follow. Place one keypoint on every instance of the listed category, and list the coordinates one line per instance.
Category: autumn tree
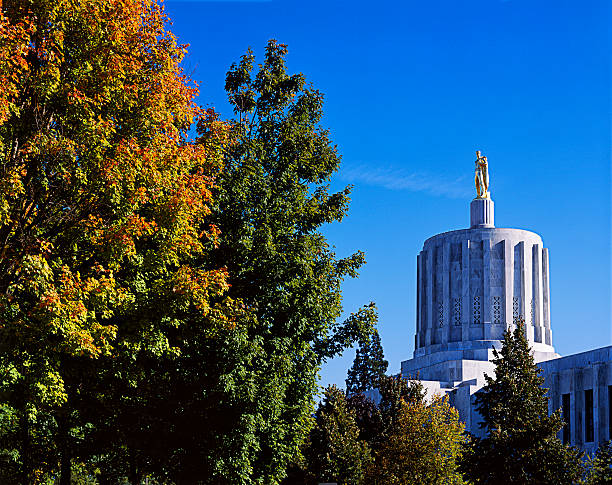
(103, 225)
(368, 367)
(521, 444)
(423, 446)
(376, 421)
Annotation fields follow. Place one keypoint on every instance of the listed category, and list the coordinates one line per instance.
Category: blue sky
(412, 90)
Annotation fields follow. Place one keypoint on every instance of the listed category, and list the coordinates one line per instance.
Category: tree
(368, 367)
(422, 447)
(334, 452)
(367, 417)
(271, 200)
(376, 422)
(103, 224)
(394, 392)
(521, 445)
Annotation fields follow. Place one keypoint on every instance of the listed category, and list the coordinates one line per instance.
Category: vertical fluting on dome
(474, 284)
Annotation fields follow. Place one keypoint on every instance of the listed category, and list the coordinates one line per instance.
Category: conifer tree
(521, 445)
(368, 367)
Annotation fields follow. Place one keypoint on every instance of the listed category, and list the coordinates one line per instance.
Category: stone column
(486, 293)
(546, 297)
(537, 292)
(508, 283)
(429, 303)
(466, 301)
(446, 298)
(526, 293)
(419, 326)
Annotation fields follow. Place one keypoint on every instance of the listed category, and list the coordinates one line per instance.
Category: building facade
(472, 285)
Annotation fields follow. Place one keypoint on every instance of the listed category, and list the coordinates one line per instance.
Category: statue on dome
(482, 177)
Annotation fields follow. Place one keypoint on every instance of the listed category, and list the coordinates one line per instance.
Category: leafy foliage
(334, 452)
(103, 221)
(395, 391)
(423, 446)
(368, 367)
(521, 445)
(367, 416)
(272, 198)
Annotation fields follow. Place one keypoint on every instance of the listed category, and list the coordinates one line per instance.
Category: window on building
(565, 408)
(588, 415)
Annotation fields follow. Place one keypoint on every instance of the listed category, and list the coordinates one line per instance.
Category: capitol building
(475, 283)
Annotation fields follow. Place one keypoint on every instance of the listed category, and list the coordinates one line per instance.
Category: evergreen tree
(521, 445)
(334, 452)
(368, 367)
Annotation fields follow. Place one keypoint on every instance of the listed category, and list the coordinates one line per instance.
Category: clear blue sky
(412, 89)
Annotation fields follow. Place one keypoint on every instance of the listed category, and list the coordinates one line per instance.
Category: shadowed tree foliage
(394, 391)
(521, 445)
(367, 416)
(123, 342)
(368, 367)
(334, 452)
(377, 421)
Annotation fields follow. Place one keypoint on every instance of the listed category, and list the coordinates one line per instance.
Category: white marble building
(472, 284)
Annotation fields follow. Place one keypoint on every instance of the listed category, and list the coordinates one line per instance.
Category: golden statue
(482, 177)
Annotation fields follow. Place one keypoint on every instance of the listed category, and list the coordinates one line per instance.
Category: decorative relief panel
(441, 314)
(457, 311)
(515, 309)
(477, 310)
(497, 309)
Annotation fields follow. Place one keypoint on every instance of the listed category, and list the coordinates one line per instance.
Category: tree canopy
(599, 466)
(271, 201)
(334, 451)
